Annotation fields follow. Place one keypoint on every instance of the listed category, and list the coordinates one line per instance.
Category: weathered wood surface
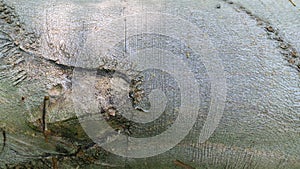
(40, 42)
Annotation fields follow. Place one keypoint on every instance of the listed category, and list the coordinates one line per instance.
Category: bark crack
(288, 51)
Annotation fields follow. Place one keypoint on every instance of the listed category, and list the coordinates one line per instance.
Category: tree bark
(44, 44)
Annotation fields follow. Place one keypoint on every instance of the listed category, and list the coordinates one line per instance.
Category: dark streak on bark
(4, 140)
(182, 165)
(44, 125)
(62, 66)
(292, 2)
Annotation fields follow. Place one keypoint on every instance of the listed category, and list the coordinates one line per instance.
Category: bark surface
(42, 43)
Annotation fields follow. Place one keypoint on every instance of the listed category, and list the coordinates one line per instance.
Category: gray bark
(40, 42)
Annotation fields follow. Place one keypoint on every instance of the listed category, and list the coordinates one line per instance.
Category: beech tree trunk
(44, 44)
